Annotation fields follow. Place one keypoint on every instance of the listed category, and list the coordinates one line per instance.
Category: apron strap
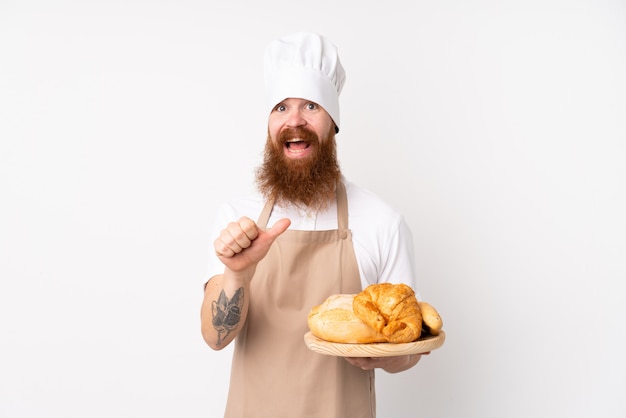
(264, 217)
(342, 207)
(342, 210)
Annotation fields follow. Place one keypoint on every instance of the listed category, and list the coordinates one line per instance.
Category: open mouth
(297, 142)
(296, 146)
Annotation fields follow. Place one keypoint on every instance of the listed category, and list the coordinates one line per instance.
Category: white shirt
(383, 243)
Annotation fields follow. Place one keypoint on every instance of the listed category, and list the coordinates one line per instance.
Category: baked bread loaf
(334, 320)
(431, 320)
(390, 309)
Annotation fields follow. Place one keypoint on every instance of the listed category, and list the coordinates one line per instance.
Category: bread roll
(431, 320)
(390, 309)
(335, 321)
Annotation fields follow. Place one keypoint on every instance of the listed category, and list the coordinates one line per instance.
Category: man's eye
(280, 108)
(311, 106)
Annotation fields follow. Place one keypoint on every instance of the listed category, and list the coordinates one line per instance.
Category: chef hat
(304, 65)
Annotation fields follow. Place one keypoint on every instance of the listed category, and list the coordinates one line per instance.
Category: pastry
(390, 309)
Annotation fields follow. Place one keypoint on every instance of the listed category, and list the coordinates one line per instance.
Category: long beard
(307, 182)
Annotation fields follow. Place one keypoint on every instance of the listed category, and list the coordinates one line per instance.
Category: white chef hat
(304, 65)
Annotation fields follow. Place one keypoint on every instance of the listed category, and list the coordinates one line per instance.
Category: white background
(498, 128)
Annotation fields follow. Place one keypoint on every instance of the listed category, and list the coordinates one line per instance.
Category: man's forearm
(224, 310)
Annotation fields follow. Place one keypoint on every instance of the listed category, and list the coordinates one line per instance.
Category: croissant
(391, 310)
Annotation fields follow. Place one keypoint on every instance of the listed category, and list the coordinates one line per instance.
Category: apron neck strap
(265, 214)
(342, 208)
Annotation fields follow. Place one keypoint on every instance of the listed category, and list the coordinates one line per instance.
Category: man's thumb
(279, 227)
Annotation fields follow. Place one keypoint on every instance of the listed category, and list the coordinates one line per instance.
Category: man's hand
(243, 244)
(389, 364)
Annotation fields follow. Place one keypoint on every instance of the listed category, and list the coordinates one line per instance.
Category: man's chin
(289, 156)
(298, 163)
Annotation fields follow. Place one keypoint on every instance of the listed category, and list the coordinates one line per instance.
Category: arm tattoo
(227, 313)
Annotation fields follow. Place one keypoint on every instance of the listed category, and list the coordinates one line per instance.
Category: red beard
(306, 182)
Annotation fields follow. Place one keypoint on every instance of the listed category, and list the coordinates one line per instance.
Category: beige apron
(273, 373)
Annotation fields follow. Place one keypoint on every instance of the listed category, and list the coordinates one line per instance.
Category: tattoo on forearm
(227, 313)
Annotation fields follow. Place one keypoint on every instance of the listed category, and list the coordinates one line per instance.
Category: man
(327, 237)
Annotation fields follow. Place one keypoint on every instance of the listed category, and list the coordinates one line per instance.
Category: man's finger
(279, 227)
(248, 226)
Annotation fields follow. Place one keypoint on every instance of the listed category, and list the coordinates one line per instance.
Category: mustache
(304, 134)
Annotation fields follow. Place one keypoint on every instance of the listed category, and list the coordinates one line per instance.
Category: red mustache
(304, 134)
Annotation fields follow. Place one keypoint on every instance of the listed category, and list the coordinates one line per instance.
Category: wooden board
(422, 345)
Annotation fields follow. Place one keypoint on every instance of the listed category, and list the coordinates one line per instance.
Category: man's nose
(295, 119)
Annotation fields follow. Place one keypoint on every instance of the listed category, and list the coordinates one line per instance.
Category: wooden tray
(422, 345)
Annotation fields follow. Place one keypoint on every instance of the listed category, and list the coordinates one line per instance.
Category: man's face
(294, 125)
(300, 161)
